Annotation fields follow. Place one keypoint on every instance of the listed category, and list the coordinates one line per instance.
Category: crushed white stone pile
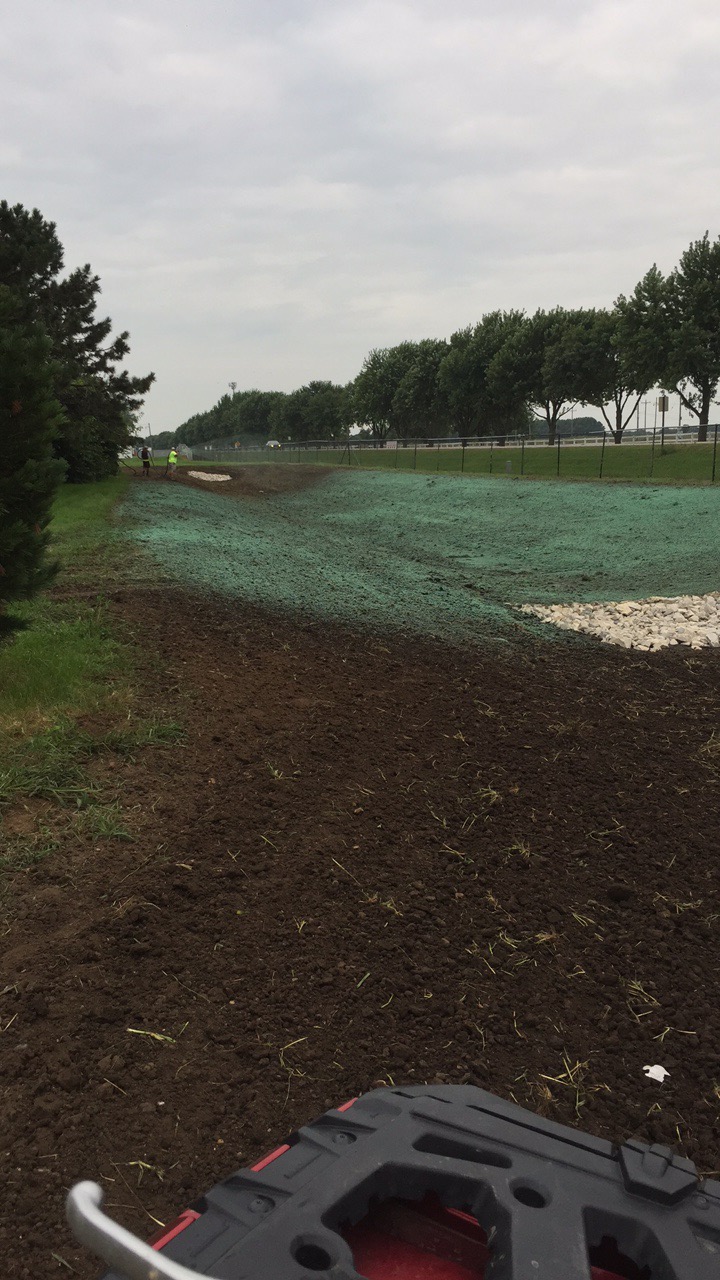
(207, 475)
(654, 623)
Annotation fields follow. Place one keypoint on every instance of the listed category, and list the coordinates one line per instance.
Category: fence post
(558, 454)
(415, 458)
(492, 442)
(652, 451)
(522, 456)
(714, 454)
(602, 456)
(462, 464)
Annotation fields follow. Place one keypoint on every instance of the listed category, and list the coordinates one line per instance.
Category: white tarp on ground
(207, 475)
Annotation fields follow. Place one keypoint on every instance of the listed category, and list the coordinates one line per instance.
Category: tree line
(67, 407)
(509, 373)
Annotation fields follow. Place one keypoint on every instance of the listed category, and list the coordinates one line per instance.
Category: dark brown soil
(261, 480)
(370, 861)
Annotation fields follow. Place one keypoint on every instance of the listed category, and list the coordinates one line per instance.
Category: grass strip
(48, 771)
(68, 651)
(70, 664)
(641, 463)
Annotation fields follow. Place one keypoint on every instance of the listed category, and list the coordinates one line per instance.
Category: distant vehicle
(273, 444)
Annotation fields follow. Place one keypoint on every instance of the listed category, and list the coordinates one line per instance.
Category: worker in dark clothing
(145, 455)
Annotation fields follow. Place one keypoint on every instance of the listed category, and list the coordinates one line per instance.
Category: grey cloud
(267, 191)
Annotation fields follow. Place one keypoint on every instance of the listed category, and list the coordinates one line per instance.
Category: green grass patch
(673, 464)
(83, 536)
(676, 463)
(48, 765)
(68, 654)
(23, 852)
(102, 822)
(51, 764)
(71, 661)
(154, 731)
(62, 660)
(48, 771)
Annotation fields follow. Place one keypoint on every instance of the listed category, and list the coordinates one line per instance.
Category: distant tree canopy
(511, 373)
(97, 397)
(318, 411)
(469, 389)
(163, 440)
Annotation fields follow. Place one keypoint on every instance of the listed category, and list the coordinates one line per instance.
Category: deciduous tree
(474, 406)
(693, 365)
(604, 376)
(419, 409)
(374, 388)
(670, 329)
(532, 366)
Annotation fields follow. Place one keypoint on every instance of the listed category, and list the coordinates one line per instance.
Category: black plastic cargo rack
(434, 1183)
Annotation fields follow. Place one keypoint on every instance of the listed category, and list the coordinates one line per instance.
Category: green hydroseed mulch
(439, 556)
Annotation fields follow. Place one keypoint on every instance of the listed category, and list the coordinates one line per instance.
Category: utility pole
(663, 406)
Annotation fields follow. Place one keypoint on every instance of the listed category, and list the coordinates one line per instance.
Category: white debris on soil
(656, 1072)
(207, 475)
(651, 624)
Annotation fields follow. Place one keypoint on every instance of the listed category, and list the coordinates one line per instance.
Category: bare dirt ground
(370, 859)
(261, 480)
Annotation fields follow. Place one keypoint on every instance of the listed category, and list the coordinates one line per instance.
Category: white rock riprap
(654, 623)
(208, 475)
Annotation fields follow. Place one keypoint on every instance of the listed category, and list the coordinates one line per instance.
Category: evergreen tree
(97, 396)
(30, 416)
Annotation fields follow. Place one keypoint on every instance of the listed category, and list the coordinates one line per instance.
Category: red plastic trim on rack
(169, 1233)
(279, 1151)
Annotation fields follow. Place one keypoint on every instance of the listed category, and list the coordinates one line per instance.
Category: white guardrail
(671, 435)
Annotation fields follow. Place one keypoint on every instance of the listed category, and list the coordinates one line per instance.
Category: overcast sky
(269, 189)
